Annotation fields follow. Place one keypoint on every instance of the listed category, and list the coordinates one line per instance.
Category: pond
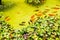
(19, 14)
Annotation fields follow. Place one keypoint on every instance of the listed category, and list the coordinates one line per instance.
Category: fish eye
(5, 5)
(35, 2)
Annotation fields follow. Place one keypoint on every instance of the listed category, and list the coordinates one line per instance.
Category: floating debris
(46, 10)
(36, 10)
(57, 5)
(56, 8)
(28, 22)
(7, 18)
(22, 24)
(51, 14)
(39, 14)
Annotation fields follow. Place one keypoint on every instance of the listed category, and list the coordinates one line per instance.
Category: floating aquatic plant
(47, 28)
(35, 2)
(6, 5)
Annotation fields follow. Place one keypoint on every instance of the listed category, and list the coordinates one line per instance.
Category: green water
(22, 11)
